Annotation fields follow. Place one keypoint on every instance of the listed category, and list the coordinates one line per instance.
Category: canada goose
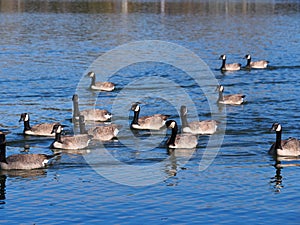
(153, 122)
(43, 129)
(180, 140)
(289, 147)
(262, 64)
(229, 67)
(102, 133)
(100, 86)
(233, 99)
(89, 114)
(21, 161)
(79, 141)
(196, 127)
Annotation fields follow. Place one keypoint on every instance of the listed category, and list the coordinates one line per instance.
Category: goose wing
(234, 98)
(185, 141)
(96, 114)
(233, 66)
(104, 133)
(155, 121)
(43, 129)
(105, 85)
(28, 161)
(75, 142)
(203, 127)
(259, 64)
(292, 146)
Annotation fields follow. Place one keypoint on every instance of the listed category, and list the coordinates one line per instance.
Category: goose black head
(24, 117)
(135, 107)
(183, 110)
(248, 56)
(223, 57)
(91, 74)
(276, 127)
(75, 98)
(171, 124)
(57, 128)
(220, 88)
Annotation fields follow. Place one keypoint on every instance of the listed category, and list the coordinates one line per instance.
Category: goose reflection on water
(18, 174)
(177, 160)
(280, 163)
(2, 189)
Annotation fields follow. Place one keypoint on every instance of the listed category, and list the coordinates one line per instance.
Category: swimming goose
(180, 140)
(229, 67)
(21, 161)
(103, 133)
(233, 99)
(196, 127)
(153, 122)
(289, 147)
(101, 115)
(262, 64)
(100, 86)
(79, 141)
(43, 129)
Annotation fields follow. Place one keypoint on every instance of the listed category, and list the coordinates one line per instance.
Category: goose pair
(101, 115)
(75, 142)
(233, 99)
(153, 122)
(289, 147)
(262, 64)
(103, 133)
(100, 86)
(21, 161)
(43, 129)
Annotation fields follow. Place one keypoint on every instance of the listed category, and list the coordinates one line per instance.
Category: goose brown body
(289, 147)
(153, 122)
(197, 127)
(21, 161)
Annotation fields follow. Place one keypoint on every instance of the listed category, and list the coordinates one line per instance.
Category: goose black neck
(58, 137)
(3, 152)
(248, 62)
(26, 126)
(82, 129)
(184, 121)
(93, 80)
(173, 135)
(135, 117)
(76, 112)
(278, 140)
(223, 64)
(220, 96)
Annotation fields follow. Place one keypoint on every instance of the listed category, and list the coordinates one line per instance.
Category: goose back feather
(196, 127)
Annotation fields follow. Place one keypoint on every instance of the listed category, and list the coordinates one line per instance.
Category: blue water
(46, 47)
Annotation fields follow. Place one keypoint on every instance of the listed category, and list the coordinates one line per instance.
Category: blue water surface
(46, 48)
